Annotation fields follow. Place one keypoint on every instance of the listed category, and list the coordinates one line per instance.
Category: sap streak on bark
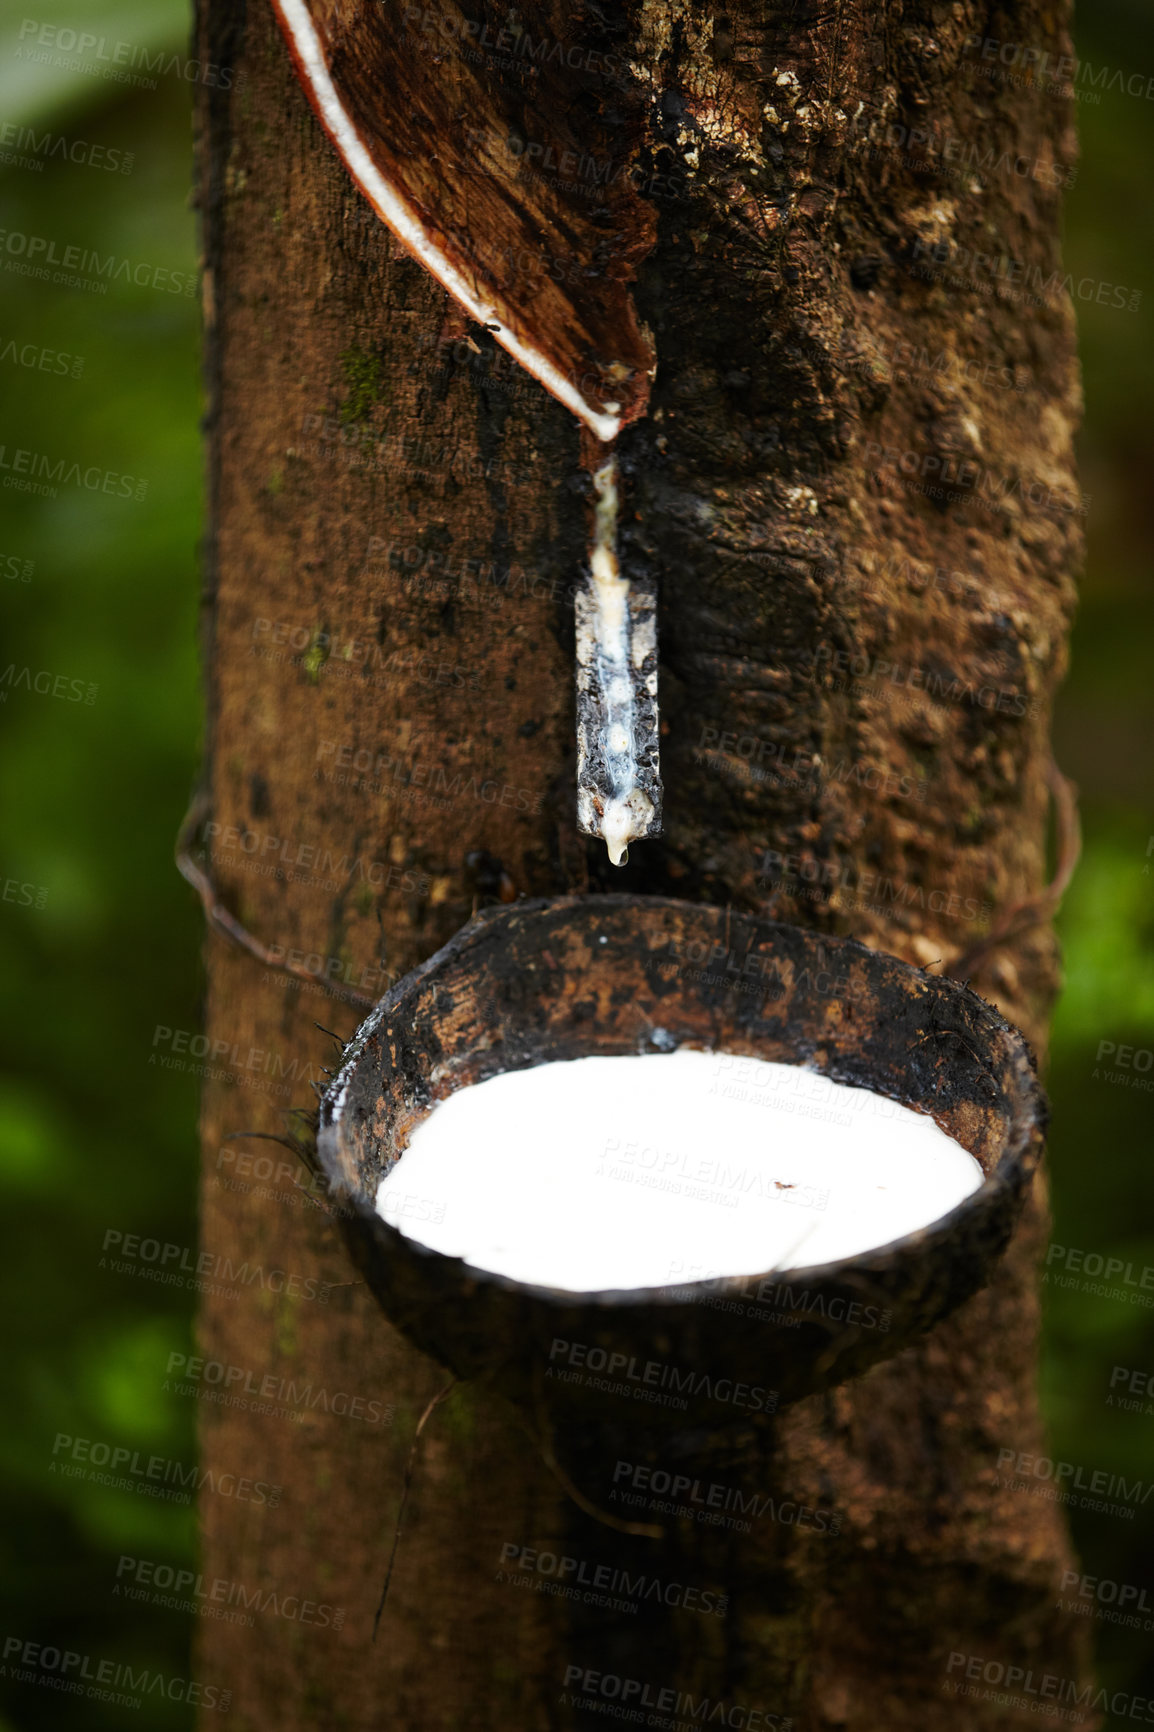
(618, 781)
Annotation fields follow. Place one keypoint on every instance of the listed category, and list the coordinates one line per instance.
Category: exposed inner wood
(509, 173)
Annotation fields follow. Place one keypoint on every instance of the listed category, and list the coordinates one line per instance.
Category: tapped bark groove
(854, 492)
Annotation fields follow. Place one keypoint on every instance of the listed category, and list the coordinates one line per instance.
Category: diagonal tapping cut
(416, 136)
(468, 215)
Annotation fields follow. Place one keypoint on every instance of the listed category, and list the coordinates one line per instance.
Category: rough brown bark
(374, 695)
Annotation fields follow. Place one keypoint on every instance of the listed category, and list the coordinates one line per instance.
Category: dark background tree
(110, 598)
(835, 488)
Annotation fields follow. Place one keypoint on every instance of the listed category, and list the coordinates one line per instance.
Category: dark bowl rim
(1014, 1167)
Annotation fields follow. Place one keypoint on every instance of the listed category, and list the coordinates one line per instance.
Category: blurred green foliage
(1102, 1177)
(92, 1138)
(96, 1140)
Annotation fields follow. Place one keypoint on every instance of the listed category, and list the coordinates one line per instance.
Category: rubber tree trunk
(855, 489)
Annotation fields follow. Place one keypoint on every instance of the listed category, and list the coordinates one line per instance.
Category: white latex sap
(606, 642)
(646, 1171)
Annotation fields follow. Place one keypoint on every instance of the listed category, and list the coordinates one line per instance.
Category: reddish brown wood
(515, 142)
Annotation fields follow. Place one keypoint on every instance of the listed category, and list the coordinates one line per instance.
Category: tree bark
(855, 491)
